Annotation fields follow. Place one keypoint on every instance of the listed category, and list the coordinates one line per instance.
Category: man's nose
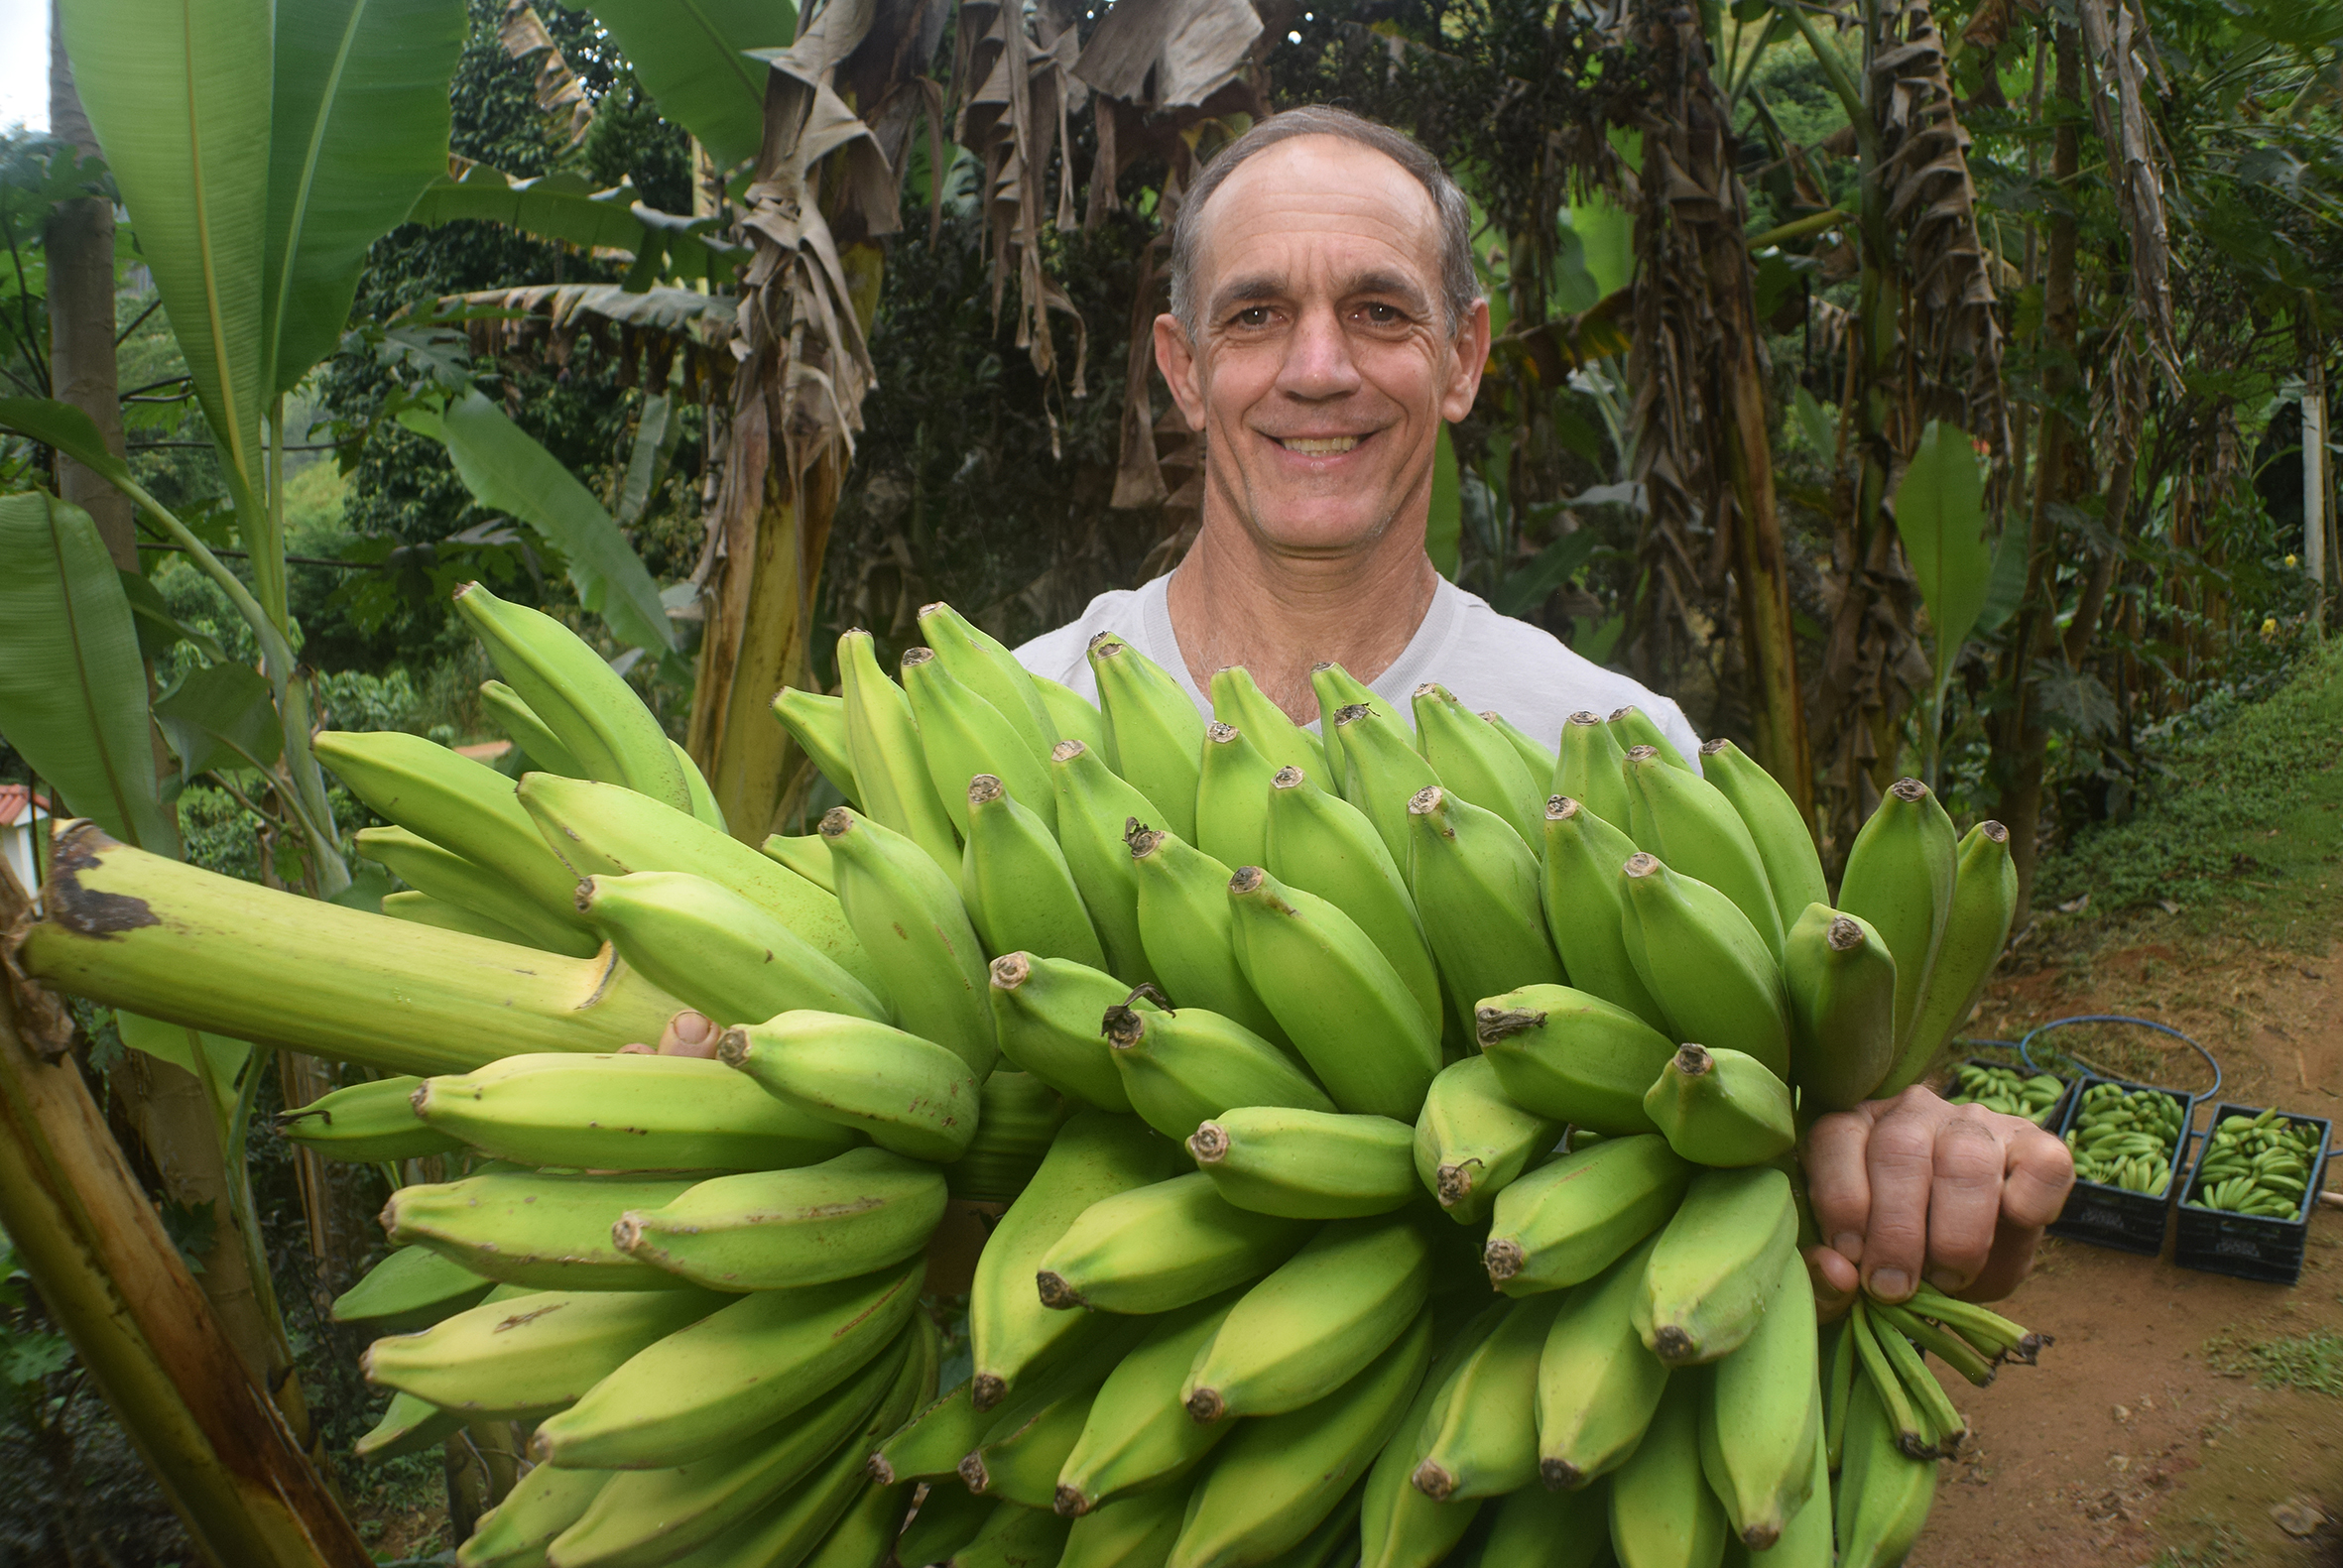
(1318, 361)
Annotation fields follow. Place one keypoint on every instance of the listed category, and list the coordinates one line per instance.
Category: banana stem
(1956, 1352)
(1840, 1392)
(1992, 1334)
(1885, 1381)
(1929, 1398)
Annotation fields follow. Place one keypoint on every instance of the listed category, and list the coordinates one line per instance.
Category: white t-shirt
(1491, 662)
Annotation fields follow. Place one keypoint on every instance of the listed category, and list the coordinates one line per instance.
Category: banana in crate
(1284, 1274)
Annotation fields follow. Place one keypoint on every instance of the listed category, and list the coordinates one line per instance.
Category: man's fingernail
(1891, 1284)
(1848, 1244)
(693, 1027)
(635, 1049)
(1949, 1280)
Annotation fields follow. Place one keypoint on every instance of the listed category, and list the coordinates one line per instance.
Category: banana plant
(1940, 516)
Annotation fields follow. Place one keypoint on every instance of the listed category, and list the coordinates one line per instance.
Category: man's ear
(1183, 372)
(1464, 376)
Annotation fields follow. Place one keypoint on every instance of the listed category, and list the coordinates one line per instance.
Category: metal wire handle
(2025, 1047)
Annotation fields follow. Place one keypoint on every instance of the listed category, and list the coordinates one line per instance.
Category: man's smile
(1319, 445)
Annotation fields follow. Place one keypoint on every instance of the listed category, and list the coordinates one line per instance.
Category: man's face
(1324, 369)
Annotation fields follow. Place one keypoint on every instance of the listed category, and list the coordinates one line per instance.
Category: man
(1325, 320)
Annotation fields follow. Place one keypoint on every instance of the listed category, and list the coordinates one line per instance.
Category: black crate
(2057, 1115)
(2105, 1216)
(2248, 1245)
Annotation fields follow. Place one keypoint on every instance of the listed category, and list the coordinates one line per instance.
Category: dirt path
(2139, 1440)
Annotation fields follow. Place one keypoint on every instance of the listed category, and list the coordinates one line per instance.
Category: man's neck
(1236, 601)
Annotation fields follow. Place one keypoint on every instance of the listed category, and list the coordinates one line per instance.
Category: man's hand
(1912, 1187)
(687, 1033)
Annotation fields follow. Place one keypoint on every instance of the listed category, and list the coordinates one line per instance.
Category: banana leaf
(565, 208)
(688, 55)
(220, 716)
(1941, 515)
(73, 688)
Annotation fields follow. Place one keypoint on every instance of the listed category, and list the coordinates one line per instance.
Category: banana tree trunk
(79, 248)
(112, 1280)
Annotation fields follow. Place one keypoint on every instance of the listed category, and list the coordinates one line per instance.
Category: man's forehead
(1349, 192)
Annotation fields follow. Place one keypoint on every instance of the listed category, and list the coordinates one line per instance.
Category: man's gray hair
(1461, 287)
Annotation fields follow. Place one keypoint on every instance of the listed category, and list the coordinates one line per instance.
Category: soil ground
(2145, 1436)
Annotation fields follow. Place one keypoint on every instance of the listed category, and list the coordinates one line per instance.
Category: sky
(24, 63)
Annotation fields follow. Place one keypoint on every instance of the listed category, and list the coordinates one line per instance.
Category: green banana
(601, 829)
(1281, 1475)
(467, 808)
(1589, 766)
(1345, 1008)
(1015, 1538)
(723, 954)
(1900, 878)
(1047, 1014)
(1139, 1434)
(905, 1093)
(1476, 763)
(817, 724)
(1536, 756)
(1760, 1414)
(1017, 1117)
(1094, 1156)
(525, 1228)
(1631, 726)
(982, 664)
(1479, 1439)
(1182, 1067)
(1687, 822)
(422, 909)
(931, 1444)
(1160, 1246)
(1136, 1531)
(1020, 891)
(1186, 924)
(1323, 844)
(1883, 1496)
(1984, 902)
(1471, 1141)
(1237, 701)
(1073, 716)
(373, 1123)
(1573, 1057)
(411, 1289)
(1382, 769)
(1572, 1218)
(587, 705)
(865, 1534)
(704, 809)
(1807, 1541)
(883, 744)
(1717, 1262)
(644, 1517)
(625, 1112)
(1095, 815)
(1784, 843)
(542, 1505)
(1335, 688)
(1314, 1322)
(946, 1521)
(1598, 1386)
(1586, 909)
(1538, 1528)
(1028, 1440)
(1154, 737)
(530, 1355)
(769, 1230)
(1841, 982)
(1663, 1514)
(1710, 970)
(1399, 1526)
(451, 879)
(544, 748)
(734, 1373)
(962, 735)
(1332, 1543)
(407, 1426)
(1477, 888)
(806, 854)
(1721, 1108)
(1307, 1164)
(913, 922)
(1232, 798)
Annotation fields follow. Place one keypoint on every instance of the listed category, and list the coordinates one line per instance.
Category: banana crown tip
(1142, 840)
(1559, 1475)
(1492, 1025)
(1643, 754)
(1712, 748)
(1206, 1406)
(1055, 1294)
(838, 822)
(1491, 716)
(1502, 1258)
(1209, 1142)
(1620, 713)
(1693, 1061)
(983, 789)
(1427, 801)
(1433, 1481)
(1430, 689)
(1067, 751)
(1070, 1503)
(1011, 969)
(913, 657)
(1844, 935)
(974, 1474)
(1585, 717)
(1123, 1027)
(1247, 879)
(937, 608)
(583, 895)
(1909, 791)
(1993, 831)
(1105, 645)
(880, 1471)
(1673, 1345)
(1287, 778)
(1560, 808)
(1351, 713)
(987, 1389)
(732, 1047)
(1221, 733)
(1640, 864)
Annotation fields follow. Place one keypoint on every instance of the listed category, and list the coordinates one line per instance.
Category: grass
(2224, 1544)
(2312, 1362)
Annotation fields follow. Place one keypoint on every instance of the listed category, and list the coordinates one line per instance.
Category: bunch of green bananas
(2125, 1138)
(2005, 1090)
(1268, 1039)
(2258, 1165)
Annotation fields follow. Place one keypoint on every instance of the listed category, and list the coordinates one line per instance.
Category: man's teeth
(1320, 448)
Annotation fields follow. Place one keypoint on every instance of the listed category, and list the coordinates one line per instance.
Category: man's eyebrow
(1244, 291)
(1386, 282)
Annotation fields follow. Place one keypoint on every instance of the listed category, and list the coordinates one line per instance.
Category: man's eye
(1258, 315)
(1383, 315)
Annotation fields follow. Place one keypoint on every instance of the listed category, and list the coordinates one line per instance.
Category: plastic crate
(2057, 1117)
(2105, 1216)
(2248, 1245)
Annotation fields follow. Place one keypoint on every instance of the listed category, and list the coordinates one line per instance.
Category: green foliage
(2312, 1362)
